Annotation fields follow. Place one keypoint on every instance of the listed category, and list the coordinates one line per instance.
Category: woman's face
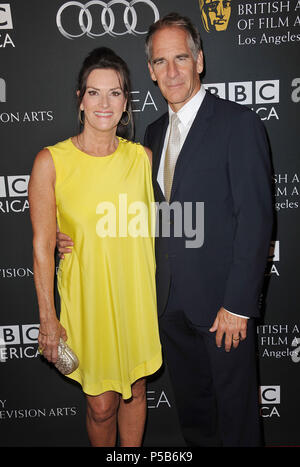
(104, 101)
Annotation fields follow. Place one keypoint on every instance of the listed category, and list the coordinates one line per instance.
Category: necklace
(116, 142)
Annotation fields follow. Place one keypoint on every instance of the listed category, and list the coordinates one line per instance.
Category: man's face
(217, 13)
(174, 67)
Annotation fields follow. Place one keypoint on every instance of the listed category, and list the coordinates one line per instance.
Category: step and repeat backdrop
(251, 57)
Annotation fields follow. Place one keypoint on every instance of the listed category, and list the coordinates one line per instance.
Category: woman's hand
(63, 243)
(49, 335)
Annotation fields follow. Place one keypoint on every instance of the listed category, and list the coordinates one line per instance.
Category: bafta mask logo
(215, 14)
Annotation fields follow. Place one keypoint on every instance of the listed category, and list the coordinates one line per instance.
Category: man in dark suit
(215, 153)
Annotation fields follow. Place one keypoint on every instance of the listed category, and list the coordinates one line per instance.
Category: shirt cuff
(240, 316)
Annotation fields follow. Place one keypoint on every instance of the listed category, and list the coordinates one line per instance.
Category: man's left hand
(231, 327)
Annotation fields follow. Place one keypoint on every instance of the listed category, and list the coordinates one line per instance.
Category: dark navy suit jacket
(225, 164)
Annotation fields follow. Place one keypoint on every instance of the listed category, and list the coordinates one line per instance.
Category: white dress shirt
(186, 115)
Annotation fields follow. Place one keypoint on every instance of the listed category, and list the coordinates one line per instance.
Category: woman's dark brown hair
(105, 58)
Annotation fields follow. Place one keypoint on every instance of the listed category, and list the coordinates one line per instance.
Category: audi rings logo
(102, 13)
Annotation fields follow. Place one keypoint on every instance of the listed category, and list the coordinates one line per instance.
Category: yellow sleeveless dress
(107, 284)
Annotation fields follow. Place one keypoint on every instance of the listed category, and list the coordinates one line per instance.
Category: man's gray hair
(174, 20)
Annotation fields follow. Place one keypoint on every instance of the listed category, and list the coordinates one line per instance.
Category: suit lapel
(193, 140)
(159, 144)
(157, 151)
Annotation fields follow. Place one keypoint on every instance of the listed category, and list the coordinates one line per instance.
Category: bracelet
(51, 335)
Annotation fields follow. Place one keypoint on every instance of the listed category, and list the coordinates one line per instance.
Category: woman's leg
(132, 416)
(101, 418)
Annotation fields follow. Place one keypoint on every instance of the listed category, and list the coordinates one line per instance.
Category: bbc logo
(274, 254)
(14, 186)
(247, 92)
(19, 334)
(270, 395)
(5, 16)
(2, 90)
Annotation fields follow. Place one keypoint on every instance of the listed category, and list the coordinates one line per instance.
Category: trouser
(216, 392)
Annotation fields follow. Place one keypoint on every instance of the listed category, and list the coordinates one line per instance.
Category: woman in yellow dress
(96, 186)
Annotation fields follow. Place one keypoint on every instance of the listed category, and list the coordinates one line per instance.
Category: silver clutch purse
(67, 360)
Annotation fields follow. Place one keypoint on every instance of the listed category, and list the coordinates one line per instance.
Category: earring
(129, 118)
(79, 116)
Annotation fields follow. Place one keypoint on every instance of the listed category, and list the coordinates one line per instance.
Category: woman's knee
(102, 408)
(139, 389)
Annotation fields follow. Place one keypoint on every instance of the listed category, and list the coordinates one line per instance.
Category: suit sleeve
(146, 138)
(250, 179)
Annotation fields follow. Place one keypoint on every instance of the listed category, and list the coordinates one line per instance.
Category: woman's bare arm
(149, 154)
(43, 218)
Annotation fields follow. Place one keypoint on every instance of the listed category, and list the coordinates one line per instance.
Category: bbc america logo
(95, 10)
(5, 16)
(274, 257)
(19, 334)
(247, 92)
(13, 193)
(270, 394)
(18, 341)
(6, 23)
(274, 254)
(14, 186)
(270, 399)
